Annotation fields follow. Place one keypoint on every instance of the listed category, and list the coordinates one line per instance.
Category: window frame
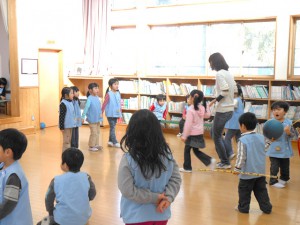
(292, 46)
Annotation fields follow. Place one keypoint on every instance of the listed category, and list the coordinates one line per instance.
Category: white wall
(49, 24)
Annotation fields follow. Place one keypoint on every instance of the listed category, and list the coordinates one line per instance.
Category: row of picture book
(288, 92)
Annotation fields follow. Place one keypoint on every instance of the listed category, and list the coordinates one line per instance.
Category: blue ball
(273, 129)
(42, 125)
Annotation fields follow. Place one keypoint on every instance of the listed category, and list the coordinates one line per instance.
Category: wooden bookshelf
(261, 91)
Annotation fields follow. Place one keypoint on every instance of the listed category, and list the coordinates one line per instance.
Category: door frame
(60, 70)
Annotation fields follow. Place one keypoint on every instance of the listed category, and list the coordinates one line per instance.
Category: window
(178, 2)
(177, 50)
(296, 69)
(123, 47)
(123, 4)
(249, 48)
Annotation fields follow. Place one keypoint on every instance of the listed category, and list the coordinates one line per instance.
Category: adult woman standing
(224, 87)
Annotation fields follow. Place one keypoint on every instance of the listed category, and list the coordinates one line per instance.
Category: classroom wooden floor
(205, 197)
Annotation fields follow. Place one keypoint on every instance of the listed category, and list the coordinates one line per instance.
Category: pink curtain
(95, 35)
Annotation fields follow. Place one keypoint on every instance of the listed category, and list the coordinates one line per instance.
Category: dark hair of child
(146, 144)
(75, 89)
(65, 91)
(3, 81)
(280, 104)
(74, 158)
(198, 97)
(160, 97)
(110, 83)
(90, 87)
(217, 62)
(15, 140)
(249, 120)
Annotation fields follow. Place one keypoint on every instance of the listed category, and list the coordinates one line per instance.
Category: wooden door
(50, 84)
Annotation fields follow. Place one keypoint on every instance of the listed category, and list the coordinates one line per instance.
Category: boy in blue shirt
(251, 158)
(280, 150)
(159, 108)
(72, 190)
(14, 195)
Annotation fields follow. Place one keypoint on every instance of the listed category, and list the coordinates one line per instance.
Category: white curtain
(95, 35)
(4, 11)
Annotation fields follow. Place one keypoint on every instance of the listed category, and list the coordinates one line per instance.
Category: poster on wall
(29, 73)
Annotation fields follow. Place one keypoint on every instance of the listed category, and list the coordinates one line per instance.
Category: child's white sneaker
(93, 149)
(282, 182)
(184, 170)
(117, 145)
(110, 144)
(179, 134)
(278, 185)
(212, 164)
(98, 147)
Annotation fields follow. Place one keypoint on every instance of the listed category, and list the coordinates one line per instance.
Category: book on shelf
(173, 125)
(208, 90)
(288, 92)
(131, 103)
(152, 88)
(176, 106)
(261, 111)
(125, 118)
(182, 89)
(146, 102)
(255, 91)
(129, 86)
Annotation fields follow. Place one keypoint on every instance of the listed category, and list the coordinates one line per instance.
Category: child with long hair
(182, 120)
(148, 175)
(232, 125)
(75, 131)
(67, 118)
(92, 111)
(193, 132)
(113, 111)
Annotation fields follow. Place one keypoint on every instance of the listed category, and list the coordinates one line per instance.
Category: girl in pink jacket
(193, 132)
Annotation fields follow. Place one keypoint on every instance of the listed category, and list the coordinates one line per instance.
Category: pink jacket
(195, 120)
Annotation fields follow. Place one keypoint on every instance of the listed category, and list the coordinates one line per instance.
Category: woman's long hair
(217, 62)
(146, 144)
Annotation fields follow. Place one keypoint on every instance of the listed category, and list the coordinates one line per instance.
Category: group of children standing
(70, 117)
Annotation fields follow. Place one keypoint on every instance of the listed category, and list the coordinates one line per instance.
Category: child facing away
(193, 132)
(14, 194)
(72, 191)
(148, 176)
(182, 120)
(92, 111)
(113, 110)
(159, 108)
(232, 126)
(75, 130)
(251, 158)
(3, 83)
(67, 118)
(280, 150)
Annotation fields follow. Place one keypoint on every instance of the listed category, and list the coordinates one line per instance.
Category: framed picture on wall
(29, 66)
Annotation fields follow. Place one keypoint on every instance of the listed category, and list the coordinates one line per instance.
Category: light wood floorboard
(205, 197)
